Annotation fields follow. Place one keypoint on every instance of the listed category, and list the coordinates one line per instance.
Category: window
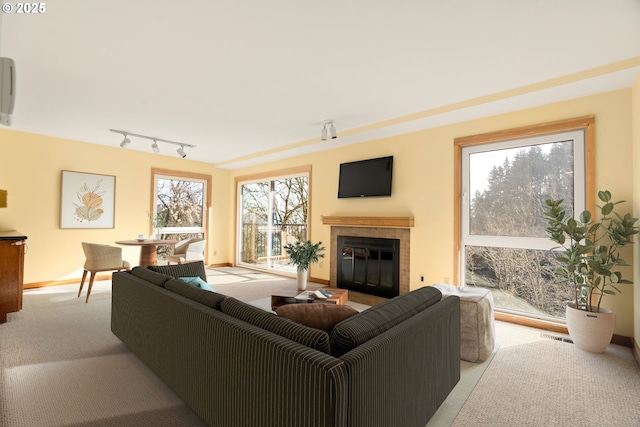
(181, 202)
(504, 179)
(273, 210)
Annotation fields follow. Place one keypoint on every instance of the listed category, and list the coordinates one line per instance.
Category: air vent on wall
(7, 89)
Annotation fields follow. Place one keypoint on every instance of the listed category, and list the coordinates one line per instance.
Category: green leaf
(607, 209)
(585, 217)
(605, 195)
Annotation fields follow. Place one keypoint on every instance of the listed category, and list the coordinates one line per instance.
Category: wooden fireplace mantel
(369, 221)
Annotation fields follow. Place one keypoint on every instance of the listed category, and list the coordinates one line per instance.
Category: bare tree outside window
(181, 206)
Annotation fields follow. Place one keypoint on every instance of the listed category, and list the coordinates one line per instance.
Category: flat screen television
(366, 178)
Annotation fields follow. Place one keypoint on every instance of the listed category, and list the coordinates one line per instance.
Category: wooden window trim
(585, 123)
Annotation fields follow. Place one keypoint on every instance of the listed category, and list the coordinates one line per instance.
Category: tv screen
(366, 178)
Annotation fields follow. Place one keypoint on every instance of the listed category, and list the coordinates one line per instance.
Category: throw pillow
(197, 282)
(316, 315)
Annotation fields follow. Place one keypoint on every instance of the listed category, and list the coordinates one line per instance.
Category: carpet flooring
(553, 383)
(60, 365)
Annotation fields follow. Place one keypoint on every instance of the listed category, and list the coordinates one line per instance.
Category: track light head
(154, 147)
(332, 130)
(126, 141)
(181, 152)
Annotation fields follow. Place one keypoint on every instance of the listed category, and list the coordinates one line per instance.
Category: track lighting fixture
(331, 130)
(126, 141)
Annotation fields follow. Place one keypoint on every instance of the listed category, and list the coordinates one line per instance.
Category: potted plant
(302, 254)
(590, 258)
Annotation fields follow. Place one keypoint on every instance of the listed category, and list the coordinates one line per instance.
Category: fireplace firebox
(369, 265)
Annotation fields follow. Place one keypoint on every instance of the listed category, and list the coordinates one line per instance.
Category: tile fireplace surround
(385, 232)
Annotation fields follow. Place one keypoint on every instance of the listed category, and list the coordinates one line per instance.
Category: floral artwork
(88, 200)
(90, 207)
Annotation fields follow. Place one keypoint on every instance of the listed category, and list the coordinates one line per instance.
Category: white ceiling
(240, 78)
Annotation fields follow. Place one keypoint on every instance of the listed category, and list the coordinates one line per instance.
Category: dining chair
(100, 257)
(188, 250)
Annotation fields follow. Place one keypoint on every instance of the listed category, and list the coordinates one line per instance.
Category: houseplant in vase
(302, 254)
(590, 260)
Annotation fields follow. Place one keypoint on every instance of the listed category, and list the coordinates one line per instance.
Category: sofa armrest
(192, 269)
(402, 376)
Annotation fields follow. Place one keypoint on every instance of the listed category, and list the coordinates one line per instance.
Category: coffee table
(339, 297)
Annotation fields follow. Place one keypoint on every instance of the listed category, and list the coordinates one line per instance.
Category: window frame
(182, 175)
(266, 176)
(586, 124)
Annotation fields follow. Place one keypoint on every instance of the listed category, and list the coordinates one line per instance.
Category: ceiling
(251, 80)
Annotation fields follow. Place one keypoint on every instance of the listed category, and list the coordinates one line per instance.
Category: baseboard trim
(531, 322)
(318, 280)
(636, 350)
(222, 264)
(36, 285)
(562, 329)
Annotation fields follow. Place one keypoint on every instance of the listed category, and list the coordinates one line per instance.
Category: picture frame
(87, 200)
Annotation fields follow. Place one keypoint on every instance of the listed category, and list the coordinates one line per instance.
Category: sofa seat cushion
(369, 323)
(319, 316)
(311, 337)
(187, 290)
(150, 276)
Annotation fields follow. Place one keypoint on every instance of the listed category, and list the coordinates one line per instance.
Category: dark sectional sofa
(236, 365)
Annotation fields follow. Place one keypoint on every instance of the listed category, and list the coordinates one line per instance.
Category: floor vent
(557, 338)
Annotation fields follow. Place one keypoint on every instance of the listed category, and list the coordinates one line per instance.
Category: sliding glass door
(272, 213)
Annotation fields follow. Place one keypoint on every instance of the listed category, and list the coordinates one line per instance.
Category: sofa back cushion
(369, 323)
(311, 337)
(203, 296)
(189, 269)
(154, 277)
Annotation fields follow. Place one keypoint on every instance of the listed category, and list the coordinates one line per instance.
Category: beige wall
(30, 170)
(423, 181)
(422, 188)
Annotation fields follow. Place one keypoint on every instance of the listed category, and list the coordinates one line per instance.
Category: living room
(423, 181)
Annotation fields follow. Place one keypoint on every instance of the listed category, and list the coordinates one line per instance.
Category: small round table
(148, 249)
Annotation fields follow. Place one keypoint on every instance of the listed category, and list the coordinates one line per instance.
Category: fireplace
(347, 227)
(369, 265)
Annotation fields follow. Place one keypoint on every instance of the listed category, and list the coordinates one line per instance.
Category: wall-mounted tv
(366, 178)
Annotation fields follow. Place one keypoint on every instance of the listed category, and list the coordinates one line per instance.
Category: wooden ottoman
(477, 328)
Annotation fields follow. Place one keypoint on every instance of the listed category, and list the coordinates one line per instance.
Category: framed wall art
(87, 200)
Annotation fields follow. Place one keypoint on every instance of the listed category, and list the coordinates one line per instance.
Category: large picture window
(181, 204)
(504, 180)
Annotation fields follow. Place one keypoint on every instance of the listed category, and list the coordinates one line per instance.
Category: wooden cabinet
(12, 248)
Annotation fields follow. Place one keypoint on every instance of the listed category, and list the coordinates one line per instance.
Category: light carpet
(60, 365)
(553, 383)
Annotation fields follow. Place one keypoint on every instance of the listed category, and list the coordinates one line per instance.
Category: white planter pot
(590, 331)
(302, 279)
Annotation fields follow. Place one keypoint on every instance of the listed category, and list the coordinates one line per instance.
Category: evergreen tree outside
(509, 201)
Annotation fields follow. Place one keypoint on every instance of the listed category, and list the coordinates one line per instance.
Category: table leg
(148, 255)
